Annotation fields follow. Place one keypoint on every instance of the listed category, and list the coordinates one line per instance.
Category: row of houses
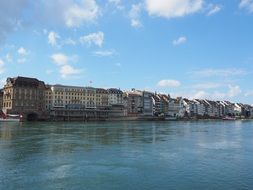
(216, 109)
(30, 96)
(154, 104)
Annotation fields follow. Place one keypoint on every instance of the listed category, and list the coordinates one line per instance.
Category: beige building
(74, 97)
(101, 98)
(60, 96)
(1, 99)
(23, 95)
(48, 98)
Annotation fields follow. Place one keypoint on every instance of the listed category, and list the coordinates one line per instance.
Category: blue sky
(190, 48)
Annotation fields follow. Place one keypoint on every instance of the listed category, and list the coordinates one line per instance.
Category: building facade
(1, 99)
(148, 103)
(102, 101)
(115, 96)
(134, 102)
(23, 95)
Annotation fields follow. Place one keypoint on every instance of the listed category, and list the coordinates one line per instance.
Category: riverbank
(137, 118)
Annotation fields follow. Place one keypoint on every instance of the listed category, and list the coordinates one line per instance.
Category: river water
(127, 155)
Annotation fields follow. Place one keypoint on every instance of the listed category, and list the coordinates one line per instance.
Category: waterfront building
(228, 108)
(23, 95)
(115, 96)
(148, 103)
(238, 109)
(67, 96)
(134, 102)
(221, 108)
(200, 107)
(75, 97)
(251, 110)
(176, 107)
(102, 100)
(164, 103)
(89, 98)
(77, 103)
(157, 106)
(190, 108)
(243, 110)
(212, 108)
(125, 100)
(48, 98)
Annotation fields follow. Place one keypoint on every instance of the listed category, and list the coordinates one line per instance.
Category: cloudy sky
(190, 48)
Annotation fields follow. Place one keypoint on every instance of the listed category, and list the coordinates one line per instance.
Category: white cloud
(104, 53)
(213, 9)
(135, 23)
(233, 91)
(22, 51)
(70, 13)
(117, 3)
(65, 69)
(200, 95)
(52, 38)
(78, 13)
(168, 83)
(8, 57)
(21, 60)
(173, 8)
(246, 4)
(60, 59)
(2, 69)
(93, 38)
(134, 15)
(219, 72)
(9, 16)
(180, 40)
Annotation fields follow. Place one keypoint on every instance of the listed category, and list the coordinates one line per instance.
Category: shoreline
(136, 118)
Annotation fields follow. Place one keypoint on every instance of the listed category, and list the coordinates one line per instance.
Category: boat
(11, 118)
(227, 118)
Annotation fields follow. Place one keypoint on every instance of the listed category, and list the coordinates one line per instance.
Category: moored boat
(227, 118)
(11, 118)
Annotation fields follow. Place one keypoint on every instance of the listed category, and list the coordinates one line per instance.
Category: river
(127, 155)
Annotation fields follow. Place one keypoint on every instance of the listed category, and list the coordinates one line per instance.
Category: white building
(190, 107)
(176, 107)
(200, 107)
(148, 103)
(115, 96)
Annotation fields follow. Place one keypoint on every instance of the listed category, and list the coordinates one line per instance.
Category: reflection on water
(126, 155)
